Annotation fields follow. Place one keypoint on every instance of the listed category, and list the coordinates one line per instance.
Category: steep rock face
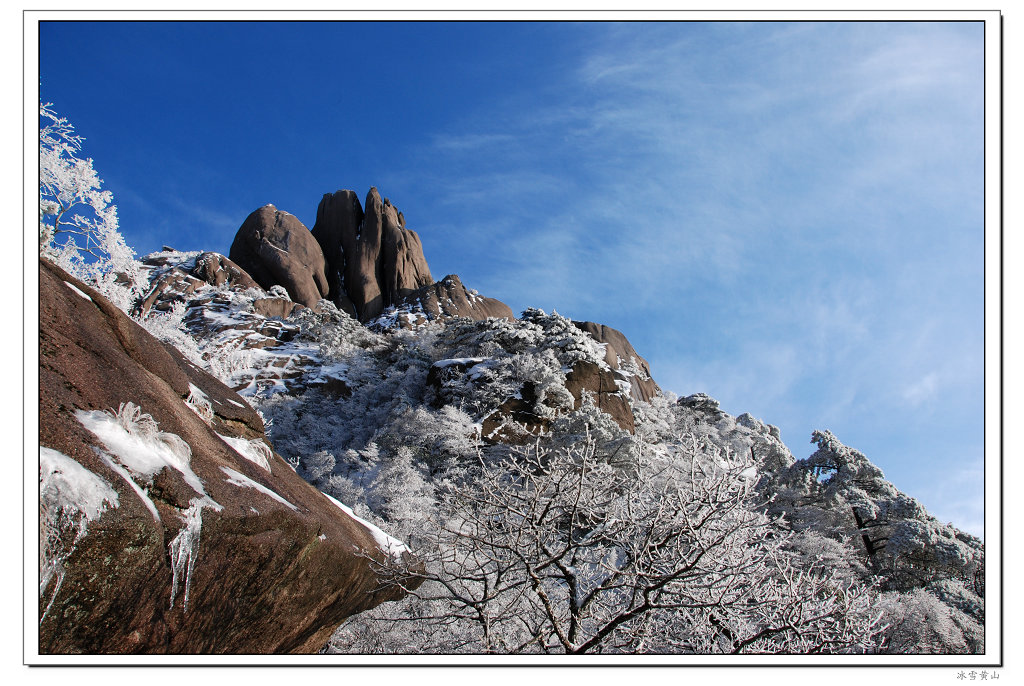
(372, 258)
(275, 248)
(178, 530)
(621, 357)
(338, 219)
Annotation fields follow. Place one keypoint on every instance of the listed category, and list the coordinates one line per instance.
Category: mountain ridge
(417, 403)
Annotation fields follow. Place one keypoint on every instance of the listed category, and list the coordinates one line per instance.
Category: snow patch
(464, 361)
(256, 451)
(77, 290)
(238, 479)
(123, 473)
(390, 545)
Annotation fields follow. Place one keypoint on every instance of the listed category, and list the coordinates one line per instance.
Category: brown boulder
(275, 248)
(217, 270)
(275, 307)
(277, 566)
(338, 219)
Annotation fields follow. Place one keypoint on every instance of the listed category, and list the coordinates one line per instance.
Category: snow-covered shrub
(317, 465)
(955, 593)
(169, 327)
(400, 495)
(334, 332)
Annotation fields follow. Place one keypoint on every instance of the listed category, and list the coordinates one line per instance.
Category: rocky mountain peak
(372, 260)
(360, 256)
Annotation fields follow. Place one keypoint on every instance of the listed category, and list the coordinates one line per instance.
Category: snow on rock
(65, 485)
(184, 548)
(459, 361)
(239, 479)
(248, 592)
(123, 473)
(134, 438)
(255, 450)
(389, 544)
(76, 289)
(70, 496)
(199, 403)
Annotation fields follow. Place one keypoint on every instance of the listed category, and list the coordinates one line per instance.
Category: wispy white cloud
(922, 390)
(773, 214)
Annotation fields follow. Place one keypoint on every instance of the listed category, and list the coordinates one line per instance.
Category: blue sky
(786, 216)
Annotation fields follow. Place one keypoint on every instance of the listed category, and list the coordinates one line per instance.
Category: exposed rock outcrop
(517, 421)
(217, 270)
(601, 383)
(447, 299)
(275, 248)
(275, 307)
(373, 261)
(173, 527)
(175, 281)
(621, 357)
(703, 404)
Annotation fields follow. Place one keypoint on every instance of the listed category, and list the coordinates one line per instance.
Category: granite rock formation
(275, 248)
(171, 283)
(372, 260)
(449, 298)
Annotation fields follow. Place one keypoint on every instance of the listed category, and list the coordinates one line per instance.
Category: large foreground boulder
(167, 522)
(275, 248)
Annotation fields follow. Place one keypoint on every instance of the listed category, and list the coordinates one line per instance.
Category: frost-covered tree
(78, 226)
(560, 551)
(919, 622)
(841, 494)
(841, 504)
